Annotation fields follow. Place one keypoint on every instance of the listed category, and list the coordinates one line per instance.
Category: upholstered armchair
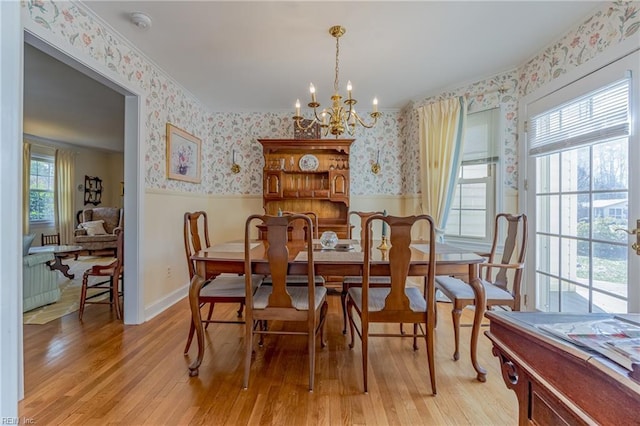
(97, 228)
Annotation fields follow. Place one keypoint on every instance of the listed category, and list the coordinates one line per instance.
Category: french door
(583, 193)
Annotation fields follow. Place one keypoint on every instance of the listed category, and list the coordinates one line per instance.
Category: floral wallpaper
(607, 27)
(395, 137)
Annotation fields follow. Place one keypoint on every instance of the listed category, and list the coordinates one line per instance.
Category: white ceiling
(239, 55)
(257, 56)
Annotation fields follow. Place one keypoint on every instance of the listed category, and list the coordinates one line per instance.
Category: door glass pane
(547, 293)
(570, 213)
(548, 213)
(548, 170)
(569, 259)
(548, 254)
(575, 170)
(574, 298)
(610, 165)
(610, 268)
(610, 214)
(606, 303)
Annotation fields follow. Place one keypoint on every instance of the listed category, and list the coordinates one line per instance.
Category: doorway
(583, 193)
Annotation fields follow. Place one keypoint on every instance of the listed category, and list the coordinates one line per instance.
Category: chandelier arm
(374, 115)
(300, 126)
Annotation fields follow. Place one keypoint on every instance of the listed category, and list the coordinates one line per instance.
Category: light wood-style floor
(103, 372)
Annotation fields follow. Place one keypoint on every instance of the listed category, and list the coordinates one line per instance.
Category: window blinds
(600, 115)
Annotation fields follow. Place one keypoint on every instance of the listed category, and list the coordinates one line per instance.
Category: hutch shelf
(308, 175)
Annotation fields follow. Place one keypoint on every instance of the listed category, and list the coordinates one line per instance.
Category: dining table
(228, 257)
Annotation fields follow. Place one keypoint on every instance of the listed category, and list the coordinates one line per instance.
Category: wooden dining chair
(113, 273)
(502, 278)
(281, 301)
(50, 240)
(356, 281)
(397, 303)
(298, 233)
(225, 288)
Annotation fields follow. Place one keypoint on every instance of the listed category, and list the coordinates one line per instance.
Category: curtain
(441, 132)
(26, 186)
(64, 195)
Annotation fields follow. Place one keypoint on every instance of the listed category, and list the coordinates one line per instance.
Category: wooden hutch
(308, 175)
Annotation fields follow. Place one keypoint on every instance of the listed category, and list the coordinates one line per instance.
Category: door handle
(636, 232)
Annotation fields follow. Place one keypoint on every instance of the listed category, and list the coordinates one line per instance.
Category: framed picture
(183, 155)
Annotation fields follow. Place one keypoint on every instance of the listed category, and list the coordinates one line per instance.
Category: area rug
(70, 298)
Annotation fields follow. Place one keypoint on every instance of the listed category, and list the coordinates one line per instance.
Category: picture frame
(183, 155)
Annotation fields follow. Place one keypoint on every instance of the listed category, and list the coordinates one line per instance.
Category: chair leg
(206, 325)
(322, 326)
(248, 339)
(365, 355)
(431, 358)
(415, 336)
(455, 314)
(115, 284)
(240, 310)
(351, 326)
(192, 331)
(311, 343)
(343, 303)
(83, 296)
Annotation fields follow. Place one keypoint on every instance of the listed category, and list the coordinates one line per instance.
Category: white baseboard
(166, 302)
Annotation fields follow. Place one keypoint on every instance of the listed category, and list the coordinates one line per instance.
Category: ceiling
(64, 105)
(258, 56)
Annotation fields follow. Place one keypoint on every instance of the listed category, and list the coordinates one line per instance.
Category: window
(473, 207)
(41, 189)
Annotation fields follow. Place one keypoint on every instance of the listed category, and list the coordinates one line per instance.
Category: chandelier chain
(335, 82)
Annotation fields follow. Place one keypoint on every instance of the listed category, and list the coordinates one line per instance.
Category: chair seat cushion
(299, 297)
(227, 285)
(458, 289)
(79, 239)
(295, 279)
(377, 296)
(357, 280)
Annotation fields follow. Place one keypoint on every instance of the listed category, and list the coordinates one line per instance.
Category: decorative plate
(308, 163)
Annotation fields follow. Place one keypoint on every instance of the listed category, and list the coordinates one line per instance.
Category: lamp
(337, 118)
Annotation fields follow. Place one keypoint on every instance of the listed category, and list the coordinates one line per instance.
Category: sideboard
(557, 382)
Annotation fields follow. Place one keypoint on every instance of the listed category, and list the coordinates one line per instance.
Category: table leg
(481, 301)
(194, 302)
(57, 264)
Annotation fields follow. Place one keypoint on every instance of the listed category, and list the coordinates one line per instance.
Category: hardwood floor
(103, 372)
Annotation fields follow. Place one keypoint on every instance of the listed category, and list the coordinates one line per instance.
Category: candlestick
(384, 225)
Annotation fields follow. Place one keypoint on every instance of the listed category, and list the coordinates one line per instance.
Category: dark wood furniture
(555, 381)
(214, 260)
(217, 289)
(320, 185)
(279, 301)
(397, 303)
(113, 273)
(499, 290)
(50, 240)
(60, 253)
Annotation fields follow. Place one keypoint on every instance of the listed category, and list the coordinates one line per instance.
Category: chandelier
(337, 118)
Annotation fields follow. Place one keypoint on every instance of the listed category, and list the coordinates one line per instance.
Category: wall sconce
(235, 167)
(375, 167)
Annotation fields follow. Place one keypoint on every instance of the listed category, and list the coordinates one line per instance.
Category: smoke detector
(141, 20)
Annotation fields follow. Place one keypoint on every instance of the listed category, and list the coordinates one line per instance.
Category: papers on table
(615, 338)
